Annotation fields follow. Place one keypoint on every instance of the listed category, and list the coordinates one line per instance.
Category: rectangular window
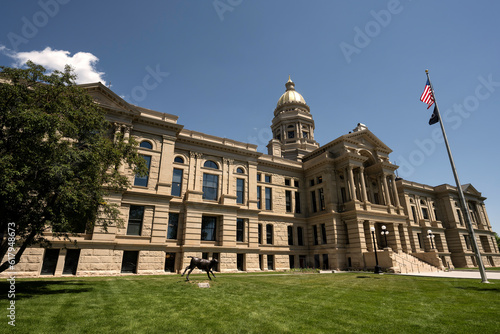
(267, 178)
(49, 262)
(315, 234)
(240, 259)
(259, 198)
(136, 215)
(268, 199)
(323, 233)
(208, 228)
(414, 212)
(240, 228)
(290, 235)
(71, 261)
(177, 182)
(258, 177)
(297, 202)
(296, 183)
(240, 191)
(459, 214)
(129, 262)
(173, 223)
(313, 201)
(170, 262)
(210, 186)
(142, 181)
(291, 260)
(326, 265)
(288, 200)
(300, 237)
(425, 213)
(269, 234)
(311, 182)
(260, 233)
(291, 134)
(321, 199)
(270, 262)
(319, 179)
(343, 195)
(467, 241)
(419, 237)
(287, 182)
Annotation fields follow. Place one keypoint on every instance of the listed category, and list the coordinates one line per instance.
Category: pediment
(107, 99)
(469, 189)
(366, 139)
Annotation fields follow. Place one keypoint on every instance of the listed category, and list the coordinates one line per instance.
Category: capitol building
(302, 205)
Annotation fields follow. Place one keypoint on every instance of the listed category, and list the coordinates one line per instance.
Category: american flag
(427, 95)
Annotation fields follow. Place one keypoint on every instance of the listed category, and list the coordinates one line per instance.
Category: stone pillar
(192, 166)
(252, 185)
(363, 185)
(160, 223)
(386, 190)
(166, 165)
(227, 227)
(395, 191)
(192, 228)
(352, 187)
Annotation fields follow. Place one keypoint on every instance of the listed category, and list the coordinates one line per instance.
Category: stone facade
(301, 205)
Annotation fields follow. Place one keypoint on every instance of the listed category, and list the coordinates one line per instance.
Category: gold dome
(291, 95)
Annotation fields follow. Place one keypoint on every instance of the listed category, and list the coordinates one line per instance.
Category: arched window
(210, 164)
(240, 170)
(179, 160)
(146, 144)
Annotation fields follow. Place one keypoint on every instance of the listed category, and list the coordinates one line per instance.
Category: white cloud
(83, 63)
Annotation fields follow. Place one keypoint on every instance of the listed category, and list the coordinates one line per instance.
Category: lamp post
(378, 270)
(431, 236)
(385, 233)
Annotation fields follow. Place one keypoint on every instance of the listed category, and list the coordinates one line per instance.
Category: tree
(497, 238)
(58, 160)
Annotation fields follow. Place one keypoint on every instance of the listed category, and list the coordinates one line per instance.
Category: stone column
(196, 176)
(386, 190)
(192, 166)
(166, 165)
(363, 185)
(225, 176)
(351, 183)
(395, 191)
(252, 185)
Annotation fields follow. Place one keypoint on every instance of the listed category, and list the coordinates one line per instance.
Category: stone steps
(405, 263)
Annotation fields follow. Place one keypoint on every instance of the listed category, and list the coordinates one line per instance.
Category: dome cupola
(290, 98)
(292, 126)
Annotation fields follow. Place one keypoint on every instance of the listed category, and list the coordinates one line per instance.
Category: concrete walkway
(459, 274)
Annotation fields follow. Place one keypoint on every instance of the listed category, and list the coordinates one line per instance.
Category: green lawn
(245, 303)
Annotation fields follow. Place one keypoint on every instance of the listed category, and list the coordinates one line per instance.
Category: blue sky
(221, 67)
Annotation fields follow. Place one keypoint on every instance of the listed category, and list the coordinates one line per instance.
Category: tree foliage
(58, 158)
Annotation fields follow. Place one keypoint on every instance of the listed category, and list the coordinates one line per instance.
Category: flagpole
(463, 203)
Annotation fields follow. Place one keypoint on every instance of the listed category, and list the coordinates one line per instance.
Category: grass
(475, 269)
(246, 303)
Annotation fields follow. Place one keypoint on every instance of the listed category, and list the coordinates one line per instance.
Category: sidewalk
(459, 274)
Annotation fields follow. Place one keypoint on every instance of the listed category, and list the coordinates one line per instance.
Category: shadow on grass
(475, 288)
(374, 277)
(29, 289)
